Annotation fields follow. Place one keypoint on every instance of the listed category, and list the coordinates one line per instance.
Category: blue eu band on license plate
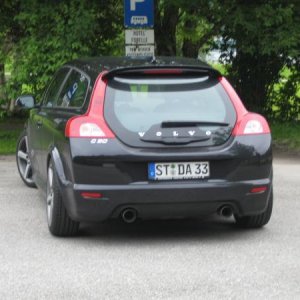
(178, 170)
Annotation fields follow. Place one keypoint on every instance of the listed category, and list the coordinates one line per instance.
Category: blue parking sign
(139, 13)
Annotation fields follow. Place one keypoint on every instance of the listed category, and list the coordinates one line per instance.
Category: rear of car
(166, 141)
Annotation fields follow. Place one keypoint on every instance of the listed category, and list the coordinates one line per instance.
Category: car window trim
(45, 95)
(72, 68)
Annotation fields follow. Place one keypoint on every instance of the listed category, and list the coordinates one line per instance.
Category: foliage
(286, 135)
(8, 141)
(284, 104)
(9, 133)
(257, 40)
(55, 32)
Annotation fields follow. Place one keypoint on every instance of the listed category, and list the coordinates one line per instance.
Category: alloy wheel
(23, 160)
(50, 195)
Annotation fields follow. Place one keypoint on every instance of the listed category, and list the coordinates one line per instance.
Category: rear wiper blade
(172, 124)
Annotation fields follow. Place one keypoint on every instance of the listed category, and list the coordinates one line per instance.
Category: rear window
(136, 104)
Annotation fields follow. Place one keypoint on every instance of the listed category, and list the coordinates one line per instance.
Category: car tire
(23, 160)
(256, 221)
(59, 222)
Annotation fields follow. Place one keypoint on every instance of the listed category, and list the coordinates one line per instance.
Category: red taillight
(88, 195)
(257, 190)
(88, 127)
(92, 124)
(246, 123)
(251, 124)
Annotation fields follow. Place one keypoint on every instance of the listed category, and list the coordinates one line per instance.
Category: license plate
(178, 170)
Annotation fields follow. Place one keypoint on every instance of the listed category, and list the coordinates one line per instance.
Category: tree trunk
(166, 21)
(190, 48)
(2, 74)
(2, 83)
(252, 76)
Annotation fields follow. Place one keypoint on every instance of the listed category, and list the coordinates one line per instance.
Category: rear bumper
(119, 173)
(165, 200)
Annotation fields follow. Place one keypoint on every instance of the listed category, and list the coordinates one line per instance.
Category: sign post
(139, 17)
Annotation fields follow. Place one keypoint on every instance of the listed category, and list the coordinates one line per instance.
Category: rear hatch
(161, 108)
(166, 124)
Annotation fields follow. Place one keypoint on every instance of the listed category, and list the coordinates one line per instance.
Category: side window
(50, 99)
(74, 91)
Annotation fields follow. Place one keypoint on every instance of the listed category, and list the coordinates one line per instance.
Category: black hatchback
(145, 138)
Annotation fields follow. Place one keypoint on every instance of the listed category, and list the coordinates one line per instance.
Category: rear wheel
(59, 222)
(23, 160)
(256, 221)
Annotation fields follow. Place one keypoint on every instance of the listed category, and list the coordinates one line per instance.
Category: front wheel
(23, 160)
(59, 222)
(257, 221)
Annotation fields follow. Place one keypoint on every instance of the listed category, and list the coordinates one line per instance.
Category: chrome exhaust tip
(129, 215)
(225, 211)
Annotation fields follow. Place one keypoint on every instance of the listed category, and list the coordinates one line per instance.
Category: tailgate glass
(135, 106)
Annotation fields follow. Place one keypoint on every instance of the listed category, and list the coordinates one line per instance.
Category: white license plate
(178, 170)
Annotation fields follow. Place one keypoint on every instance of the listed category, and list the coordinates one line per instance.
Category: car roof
(94, 65)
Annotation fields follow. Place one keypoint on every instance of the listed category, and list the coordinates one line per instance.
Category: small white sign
(139, 36)
(136, 51)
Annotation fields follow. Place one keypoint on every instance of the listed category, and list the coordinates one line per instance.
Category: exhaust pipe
(225, 211)
(129, 215)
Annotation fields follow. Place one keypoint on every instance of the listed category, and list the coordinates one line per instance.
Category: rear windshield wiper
(172, 124)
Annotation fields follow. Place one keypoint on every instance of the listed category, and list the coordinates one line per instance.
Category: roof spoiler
(164, 70)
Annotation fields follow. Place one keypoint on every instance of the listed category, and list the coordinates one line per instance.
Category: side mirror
(25, 101)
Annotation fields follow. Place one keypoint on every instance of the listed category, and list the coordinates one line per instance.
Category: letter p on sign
(133, 4)
(138, 13)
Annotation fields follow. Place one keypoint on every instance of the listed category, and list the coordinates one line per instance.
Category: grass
(8, 140)
(10, 130)
(286, 136)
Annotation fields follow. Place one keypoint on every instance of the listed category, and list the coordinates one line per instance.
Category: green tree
(54, 32)
(257, 42)
(10, 33)
(166, 20)
(257, 39)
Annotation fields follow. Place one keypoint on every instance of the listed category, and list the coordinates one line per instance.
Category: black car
(145, 138)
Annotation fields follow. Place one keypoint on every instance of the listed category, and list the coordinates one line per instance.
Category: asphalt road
(205, 259)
